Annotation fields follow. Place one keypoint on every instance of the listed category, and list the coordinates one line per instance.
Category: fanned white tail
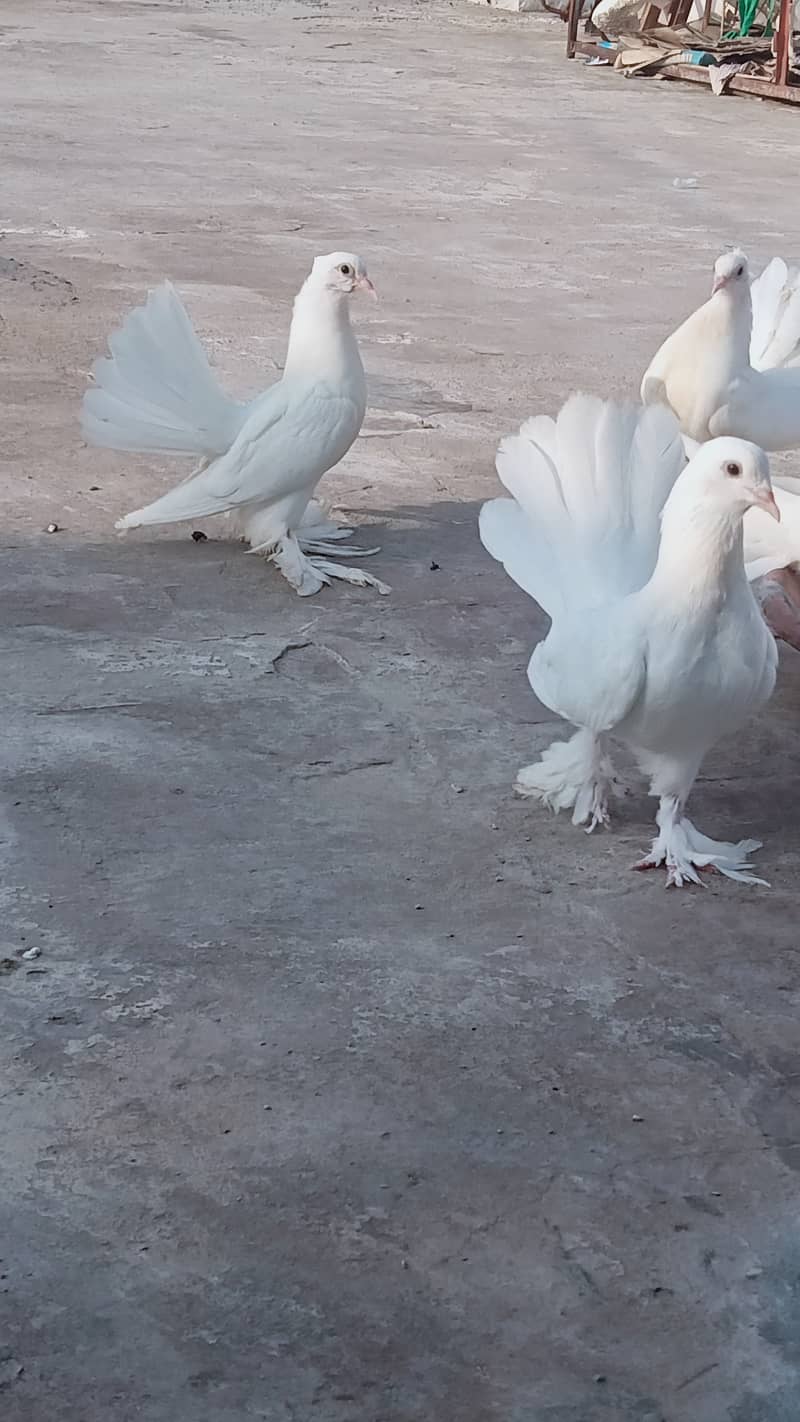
(775, 337)
(587, 489)
(157, 393)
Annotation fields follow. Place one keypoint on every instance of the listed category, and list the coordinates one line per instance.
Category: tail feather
(506, 533)
(189, 499)
(157, 393)
(589, 488)
(775, 338)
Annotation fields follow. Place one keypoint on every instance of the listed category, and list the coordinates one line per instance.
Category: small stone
(600, 1377)
(53, 528)
(31, 953)
(418, 907)
(403, 1263)
(753, 1274)
(434, 566)
(457, 789)
(198, 536)
(637, 1118)
(94, 488)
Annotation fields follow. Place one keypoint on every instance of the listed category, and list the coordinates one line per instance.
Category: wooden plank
(737, 84)
(573, 17)
(593, 50)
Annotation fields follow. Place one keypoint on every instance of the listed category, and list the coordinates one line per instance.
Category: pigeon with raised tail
(260, 461)
(656, 638)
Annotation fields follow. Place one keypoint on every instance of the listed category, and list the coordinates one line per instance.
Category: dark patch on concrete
(783, 1405)
(780, 1291)
(776, 1107)
(48, 286)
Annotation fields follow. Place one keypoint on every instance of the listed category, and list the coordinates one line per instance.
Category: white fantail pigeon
(260, 461)
(656, 637)
(733, 368)
(728, 370)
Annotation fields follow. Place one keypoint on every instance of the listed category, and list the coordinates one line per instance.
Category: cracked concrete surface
(345, 1086)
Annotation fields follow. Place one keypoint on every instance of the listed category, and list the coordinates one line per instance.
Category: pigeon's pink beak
(363, 283)
(719, 283)
(766, 501)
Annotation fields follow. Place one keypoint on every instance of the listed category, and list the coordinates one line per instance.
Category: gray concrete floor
(346, 1088)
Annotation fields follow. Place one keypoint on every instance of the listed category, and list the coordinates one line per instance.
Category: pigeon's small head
(734, 476)
(731, 272)
(341, 272)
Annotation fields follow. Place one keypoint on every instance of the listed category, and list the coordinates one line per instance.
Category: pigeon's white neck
(700, 557)
(321, 340)
(732, 308)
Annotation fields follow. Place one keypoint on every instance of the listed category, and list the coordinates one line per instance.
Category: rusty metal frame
(777, 88)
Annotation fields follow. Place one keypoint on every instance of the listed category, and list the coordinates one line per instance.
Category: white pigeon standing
(728, 370)
(260, 461)
(656, 638)
(733, 368)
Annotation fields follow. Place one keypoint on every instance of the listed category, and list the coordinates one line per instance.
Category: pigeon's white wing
(775, 337)
(591, 669)
(157, 392)
(762, 406)
(672, 374)
(767, 544)
(589, 487)
(288, 441)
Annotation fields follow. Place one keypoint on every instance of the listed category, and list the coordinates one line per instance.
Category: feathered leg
(298, 570)
(317, 533)
(281, 532)
(573, 775)
(328, 570)
(679, 845)
(308, 575)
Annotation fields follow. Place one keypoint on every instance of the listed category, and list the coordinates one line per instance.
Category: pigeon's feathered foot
(779, 596)
(573, 775)
(686, 852)
(322, 545)
(298, 570)
(309, 575)
(322, 537)
(327, 570)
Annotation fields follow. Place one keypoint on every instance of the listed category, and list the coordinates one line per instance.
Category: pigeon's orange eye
(733, 469)
(345, 269)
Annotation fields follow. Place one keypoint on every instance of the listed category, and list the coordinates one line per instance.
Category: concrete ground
(346, 1088)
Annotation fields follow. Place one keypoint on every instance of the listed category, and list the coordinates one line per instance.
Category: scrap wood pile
(744, 45)
(645, 51)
